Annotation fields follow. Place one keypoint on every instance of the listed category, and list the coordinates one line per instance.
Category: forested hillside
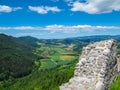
(16, 59)
(30, 41)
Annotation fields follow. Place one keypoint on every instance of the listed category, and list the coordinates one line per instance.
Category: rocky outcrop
(97, 67)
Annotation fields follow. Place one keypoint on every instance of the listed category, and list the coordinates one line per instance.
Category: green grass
(47, 64)
(55, 61)
(116, 84)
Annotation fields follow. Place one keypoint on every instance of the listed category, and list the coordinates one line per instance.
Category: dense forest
(16, 59)
(27, 63)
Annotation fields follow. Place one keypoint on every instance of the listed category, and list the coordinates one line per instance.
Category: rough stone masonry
(97, 67)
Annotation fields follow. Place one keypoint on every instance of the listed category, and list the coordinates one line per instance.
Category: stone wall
(97, 67)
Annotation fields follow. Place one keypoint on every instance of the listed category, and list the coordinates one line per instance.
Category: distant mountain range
(84, 38)
(32, 41)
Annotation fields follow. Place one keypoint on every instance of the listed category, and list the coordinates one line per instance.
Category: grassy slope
(116, 84)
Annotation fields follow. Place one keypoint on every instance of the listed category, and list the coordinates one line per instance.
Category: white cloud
(96, 6)
(44, 9)
(78, 28)
(63, 29)
(7, 9)
(21, 28)
(16, 8)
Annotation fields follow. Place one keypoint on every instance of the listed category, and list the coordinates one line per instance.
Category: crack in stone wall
(96, 69)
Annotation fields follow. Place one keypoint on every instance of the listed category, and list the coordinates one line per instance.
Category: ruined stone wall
(97, 67)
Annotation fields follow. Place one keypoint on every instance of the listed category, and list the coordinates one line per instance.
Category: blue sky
(59, 18)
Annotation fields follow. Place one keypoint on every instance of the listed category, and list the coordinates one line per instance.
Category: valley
(53, 61)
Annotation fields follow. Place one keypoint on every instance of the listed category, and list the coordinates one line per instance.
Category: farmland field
(55, 55)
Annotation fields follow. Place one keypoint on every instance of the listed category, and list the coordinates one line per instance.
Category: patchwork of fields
(55, 55)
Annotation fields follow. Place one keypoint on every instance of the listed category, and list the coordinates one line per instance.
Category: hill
(31, 41)
(16, 59)
(97, 38)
